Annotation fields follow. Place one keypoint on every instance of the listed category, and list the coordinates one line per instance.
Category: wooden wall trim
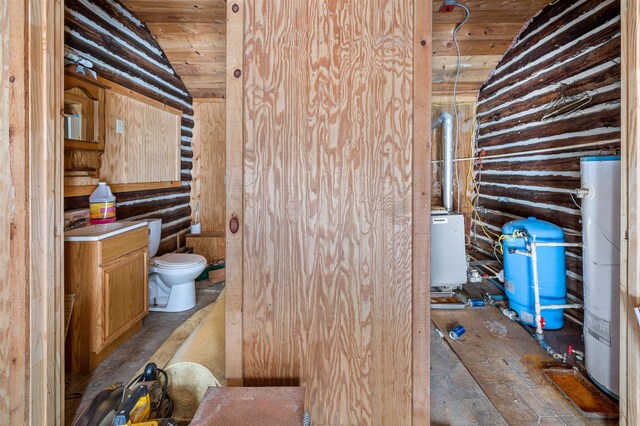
(86, 190)
(421, 211)
(46, 289)
(630, 221)
(209, 100)
(235, 191)
(31, 299)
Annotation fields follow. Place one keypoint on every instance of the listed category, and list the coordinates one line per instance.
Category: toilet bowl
(172, 286)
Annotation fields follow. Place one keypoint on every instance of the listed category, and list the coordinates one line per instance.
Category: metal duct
(447, 147)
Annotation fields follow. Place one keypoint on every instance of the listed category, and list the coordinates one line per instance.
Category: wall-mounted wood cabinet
(109, 279)
(83, 114)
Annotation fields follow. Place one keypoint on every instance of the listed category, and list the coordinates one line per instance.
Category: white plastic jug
(102, 204)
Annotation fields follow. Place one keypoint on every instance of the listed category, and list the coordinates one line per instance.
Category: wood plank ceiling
(483, 40)
(192, 34)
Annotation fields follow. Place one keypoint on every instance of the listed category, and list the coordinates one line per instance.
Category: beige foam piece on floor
(170, 346)
(199, 363)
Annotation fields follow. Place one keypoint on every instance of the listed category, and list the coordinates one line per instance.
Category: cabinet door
(125, 293)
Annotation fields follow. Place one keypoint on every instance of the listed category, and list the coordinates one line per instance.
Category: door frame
(31, 221)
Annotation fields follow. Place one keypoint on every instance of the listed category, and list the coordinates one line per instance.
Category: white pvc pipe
(536, 290)
(567, 306)
(536, 285)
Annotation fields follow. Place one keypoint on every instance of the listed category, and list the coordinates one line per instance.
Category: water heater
(601, 269)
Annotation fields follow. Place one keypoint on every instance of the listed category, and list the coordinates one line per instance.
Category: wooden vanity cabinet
(109, 278)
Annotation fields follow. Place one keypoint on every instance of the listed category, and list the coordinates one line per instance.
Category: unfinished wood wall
(558, 87)
(208, 188)
(464, 133)
(334, 286)
(483, 39)
(122, 50)
(31, 286)
(149, 148)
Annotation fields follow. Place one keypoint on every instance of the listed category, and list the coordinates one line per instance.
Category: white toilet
(171, 277)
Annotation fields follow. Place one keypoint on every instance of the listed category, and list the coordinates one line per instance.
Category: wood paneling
(328, 275)
(483, 39)
(31, 293)
(211, 245)
(192, 34)
(546, 105)
(149, 148)
(630, 221)
(207, 186)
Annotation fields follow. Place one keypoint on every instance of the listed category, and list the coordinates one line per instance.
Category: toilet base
(181, 298)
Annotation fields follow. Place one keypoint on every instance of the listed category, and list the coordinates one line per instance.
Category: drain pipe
(447, 147)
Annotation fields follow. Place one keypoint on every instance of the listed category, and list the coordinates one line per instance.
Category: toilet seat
(178, 261)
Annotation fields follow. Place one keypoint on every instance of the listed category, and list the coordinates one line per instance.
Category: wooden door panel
(125, 292)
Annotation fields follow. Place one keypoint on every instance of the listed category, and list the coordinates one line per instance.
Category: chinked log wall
(123, 50)
(570, 51)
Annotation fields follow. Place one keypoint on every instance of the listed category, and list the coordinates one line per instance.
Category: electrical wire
(455, 91)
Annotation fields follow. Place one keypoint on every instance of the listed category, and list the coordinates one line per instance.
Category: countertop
(99, 232)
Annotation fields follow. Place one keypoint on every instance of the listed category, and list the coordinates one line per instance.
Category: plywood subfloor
(124, 363)
(456, 398)
(506, 363)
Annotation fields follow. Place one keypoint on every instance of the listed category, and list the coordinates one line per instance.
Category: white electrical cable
(455, 90)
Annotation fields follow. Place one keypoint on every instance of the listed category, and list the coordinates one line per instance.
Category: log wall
(553, 98)
(123, 51)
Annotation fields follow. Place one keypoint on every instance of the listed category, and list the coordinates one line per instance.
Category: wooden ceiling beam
(178, 17)
(477, 31)
(476, 61)
(470, 47)
(485, 16)
(160, 29)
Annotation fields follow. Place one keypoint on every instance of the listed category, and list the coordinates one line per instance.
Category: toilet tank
(155, 229)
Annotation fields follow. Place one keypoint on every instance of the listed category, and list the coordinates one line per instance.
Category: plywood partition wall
(148, 149)
(328, 200)
(630, 221)
(207, 186)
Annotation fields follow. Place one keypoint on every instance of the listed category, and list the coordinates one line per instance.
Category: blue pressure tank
(518, 271)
